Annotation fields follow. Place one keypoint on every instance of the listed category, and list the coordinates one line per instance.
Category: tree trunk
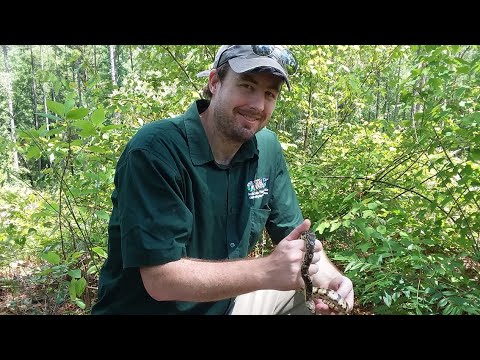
(397, 96)
(34, 98)
(307, 122)
(94, 59)
(56, 71)
(377, 105)
(34, 88)
(45, 110)
(385, 102)
(13, 136)
(417, 106)
(113, 68)
(131, 57)
(79, 84)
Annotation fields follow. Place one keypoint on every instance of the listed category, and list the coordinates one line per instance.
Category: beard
(231, 129)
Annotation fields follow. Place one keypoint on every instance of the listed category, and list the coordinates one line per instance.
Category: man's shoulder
(267, 135)
(169, 128)
(163, 124)
(267, 138)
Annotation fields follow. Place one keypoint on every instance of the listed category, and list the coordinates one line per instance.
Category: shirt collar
(200, 151)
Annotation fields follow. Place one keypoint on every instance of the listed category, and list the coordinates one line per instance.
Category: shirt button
(232, 245)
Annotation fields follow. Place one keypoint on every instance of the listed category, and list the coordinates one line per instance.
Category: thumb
(295, 234)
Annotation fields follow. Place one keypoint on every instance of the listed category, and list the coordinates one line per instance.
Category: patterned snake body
(328, 296)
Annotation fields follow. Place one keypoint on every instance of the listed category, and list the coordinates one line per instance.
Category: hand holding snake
(315, 269)
(329, 297)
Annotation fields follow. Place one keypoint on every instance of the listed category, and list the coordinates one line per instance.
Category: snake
(330, 297)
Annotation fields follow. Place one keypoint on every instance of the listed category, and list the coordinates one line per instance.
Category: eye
(271, 95)
(247, 87)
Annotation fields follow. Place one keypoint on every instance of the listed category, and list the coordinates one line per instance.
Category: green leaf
(418, 115)
(96, 149)
(33, 152)
(72, 289)
(368, 214)
(85, 125)
(56, 107)
(80, 286)
(56, 87)
(321, 228)
(387, 299)
(69, 103)
(349, 197)
(51, 257)
(334, 226)
(76, 114)
(60, 297)
(50, 116)
(99, 251)
(365, 246)
(393, 221)
(45, 272)
(92, 270)
(98, 116)
(475, 155)
(102, 214)
(112, 127)
(360, 223)
(76, 273)
(372, 206)
(80, 304)
(381, 229)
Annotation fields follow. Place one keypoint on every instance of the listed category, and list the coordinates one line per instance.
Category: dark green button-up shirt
(172, 200)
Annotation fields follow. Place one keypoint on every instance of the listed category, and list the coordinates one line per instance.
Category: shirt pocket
(258, 219)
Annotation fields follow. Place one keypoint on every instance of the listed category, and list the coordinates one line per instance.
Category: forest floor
(21, 295)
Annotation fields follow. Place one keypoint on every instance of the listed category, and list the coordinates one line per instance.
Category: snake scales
(328, 296)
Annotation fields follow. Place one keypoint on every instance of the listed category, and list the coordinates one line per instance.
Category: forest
(382, 144)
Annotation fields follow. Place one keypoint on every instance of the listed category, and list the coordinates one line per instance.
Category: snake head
(309, 237)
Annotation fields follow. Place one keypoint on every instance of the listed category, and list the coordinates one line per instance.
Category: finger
(316, 258)
(318, 246)
(313, 269)
(322, 308)
(295, 234)
(345, 287)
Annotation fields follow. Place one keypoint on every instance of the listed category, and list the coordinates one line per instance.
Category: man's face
(243, 103)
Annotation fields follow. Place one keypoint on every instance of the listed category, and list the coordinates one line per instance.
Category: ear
(213, 81)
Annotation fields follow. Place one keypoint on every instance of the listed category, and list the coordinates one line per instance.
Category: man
(192, 195)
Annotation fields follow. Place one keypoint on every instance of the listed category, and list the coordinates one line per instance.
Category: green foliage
(382, 142)
(18, 234)
(396, 203)
(82, 148)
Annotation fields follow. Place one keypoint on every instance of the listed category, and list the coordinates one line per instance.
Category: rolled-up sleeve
(155, 223)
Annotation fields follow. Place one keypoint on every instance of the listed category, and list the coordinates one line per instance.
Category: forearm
(200, 280)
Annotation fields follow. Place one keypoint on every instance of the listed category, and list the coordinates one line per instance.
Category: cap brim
(242, 64)
(204, 73)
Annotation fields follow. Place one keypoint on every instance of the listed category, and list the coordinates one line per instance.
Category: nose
(257, 101)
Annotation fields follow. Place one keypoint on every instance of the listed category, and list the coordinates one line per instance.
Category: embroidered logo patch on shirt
(257, 188)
